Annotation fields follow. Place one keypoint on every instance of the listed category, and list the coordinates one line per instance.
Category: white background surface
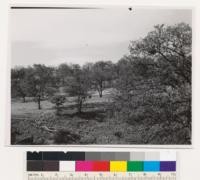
(12, 158)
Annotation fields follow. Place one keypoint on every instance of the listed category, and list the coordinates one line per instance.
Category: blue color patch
(151, 165)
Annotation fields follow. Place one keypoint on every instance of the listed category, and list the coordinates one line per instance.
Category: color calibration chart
(101, 165)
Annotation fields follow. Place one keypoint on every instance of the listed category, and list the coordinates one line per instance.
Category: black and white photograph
(101, 76)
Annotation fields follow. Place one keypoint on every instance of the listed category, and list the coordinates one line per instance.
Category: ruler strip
(100, 176)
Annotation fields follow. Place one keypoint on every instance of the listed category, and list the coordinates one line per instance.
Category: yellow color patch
(118, 166)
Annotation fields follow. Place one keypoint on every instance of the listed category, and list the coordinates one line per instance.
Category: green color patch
(135, 166)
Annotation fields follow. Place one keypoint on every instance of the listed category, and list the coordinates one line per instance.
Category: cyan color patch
(151, 165)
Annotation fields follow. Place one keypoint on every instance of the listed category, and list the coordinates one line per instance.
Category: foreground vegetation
(144, 98)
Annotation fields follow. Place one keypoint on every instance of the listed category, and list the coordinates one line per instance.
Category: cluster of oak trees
(43, 82)
(155, 79)
(152, 82)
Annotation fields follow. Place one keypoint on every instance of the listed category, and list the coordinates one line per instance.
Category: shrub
(65, 137)
(58, 100)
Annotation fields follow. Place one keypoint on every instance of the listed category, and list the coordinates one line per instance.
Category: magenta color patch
(84, 165)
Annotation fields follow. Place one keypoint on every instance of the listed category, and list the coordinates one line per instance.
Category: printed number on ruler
(100, 176)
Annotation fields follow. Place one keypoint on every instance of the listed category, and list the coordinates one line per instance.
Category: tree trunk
(100, 94)
(80, 102)
(63, 81)
(101, 90)
(39, 100)
(24, 99)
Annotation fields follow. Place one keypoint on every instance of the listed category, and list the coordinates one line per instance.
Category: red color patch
(101, 166)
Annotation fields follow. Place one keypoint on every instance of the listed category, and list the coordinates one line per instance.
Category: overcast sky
(54, 36)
